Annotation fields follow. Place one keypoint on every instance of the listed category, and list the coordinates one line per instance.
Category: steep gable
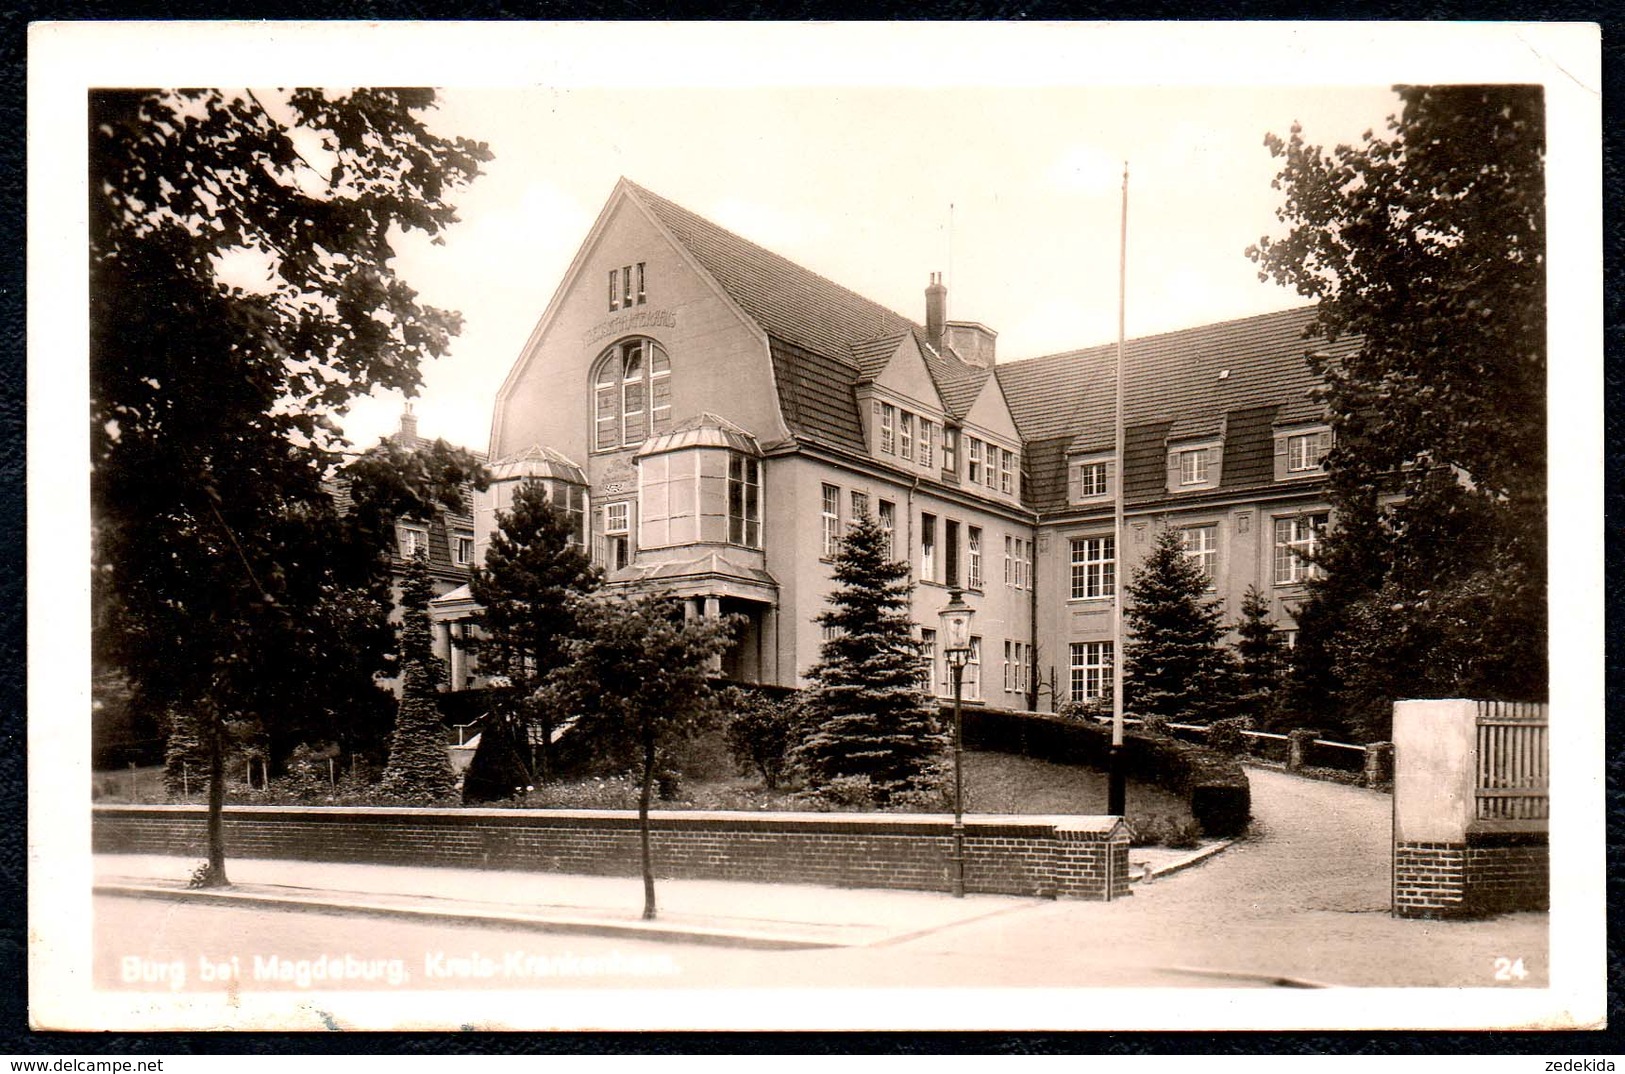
(905, 373)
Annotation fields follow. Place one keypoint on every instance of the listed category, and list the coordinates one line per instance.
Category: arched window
(631, 394)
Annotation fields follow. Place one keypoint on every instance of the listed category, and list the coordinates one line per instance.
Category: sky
(1013, 192)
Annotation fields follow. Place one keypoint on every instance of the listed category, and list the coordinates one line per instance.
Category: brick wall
(1045, 857)
(1484, 875)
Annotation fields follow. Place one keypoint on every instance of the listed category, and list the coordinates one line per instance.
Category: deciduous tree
(242, 292)
(1428, 246)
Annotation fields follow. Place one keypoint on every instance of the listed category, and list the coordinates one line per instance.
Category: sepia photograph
(815, 527)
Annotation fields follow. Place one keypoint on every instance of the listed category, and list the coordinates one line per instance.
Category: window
(831, 515)
(614, 290)
(973, 557)
(973, 457)
(905, 435)
(1289, 637)
(414, 539)
(1193, 467)
(612, 549)
(1306, 451)
(950, 550)
(1009, 560)
(860, 507)
(462, 548)
(626, 286)
(972, 682)
(1007, 471)
(1024, 664)
(642, 293)
(950, 450)
(631, 394)
(1016, 660)
(1201, 544)
(1091, 670)
(744, 500)
(1295, 542)
(1094, 567)
(1086, 480)
(1024, 560)
(928, 658)
(928, 431)
(888, 427)
(888, 526)
(928, 548)
(1009, 665)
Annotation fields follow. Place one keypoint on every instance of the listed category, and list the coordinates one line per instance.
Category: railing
(1512, 791)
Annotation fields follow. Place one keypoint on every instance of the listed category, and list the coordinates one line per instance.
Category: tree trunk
(215, 873)
(643, 825)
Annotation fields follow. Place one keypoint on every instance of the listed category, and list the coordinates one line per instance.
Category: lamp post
(956, 619)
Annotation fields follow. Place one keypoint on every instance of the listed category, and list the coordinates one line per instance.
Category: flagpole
(1116, 782)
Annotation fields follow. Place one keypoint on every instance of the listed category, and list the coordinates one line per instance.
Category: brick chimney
(407, 436)
(936, 310)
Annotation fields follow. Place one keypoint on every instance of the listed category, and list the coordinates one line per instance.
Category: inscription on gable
(628, 321)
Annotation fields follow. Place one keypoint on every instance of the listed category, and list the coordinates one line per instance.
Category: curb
(1196, 857)
(654, 931)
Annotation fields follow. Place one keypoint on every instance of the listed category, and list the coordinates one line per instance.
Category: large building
(715, 416)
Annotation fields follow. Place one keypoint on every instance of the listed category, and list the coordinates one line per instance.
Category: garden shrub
(1215, 785)
(1226, 736)
(1155, 725)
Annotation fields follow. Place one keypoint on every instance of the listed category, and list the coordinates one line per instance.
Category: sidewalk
(731, 913)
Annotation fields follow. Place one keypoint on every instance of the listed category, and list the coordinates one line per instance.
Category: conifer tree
(418, 767)
(866, 713)
(533, 572)
(1261, 656)
(1175, 664)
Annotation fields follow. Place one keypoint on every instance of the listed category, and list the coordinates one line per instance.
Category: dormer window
(1193, 466)
(631, 394)
(1088, 479)
(1301, 452)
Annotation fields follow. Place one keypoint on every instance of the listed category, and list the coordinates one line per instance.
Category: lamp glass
(956, 619)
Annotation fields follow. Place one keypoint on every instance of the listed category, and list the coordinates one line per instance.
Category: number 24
(1510, 969)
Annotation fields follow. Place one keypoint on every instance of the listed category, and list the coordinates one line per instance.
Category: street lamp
(956, 619)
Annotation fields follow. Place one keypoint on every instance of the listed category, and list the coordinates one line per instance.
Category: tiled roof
(1174, 386)
(704, 430)
(812, 321)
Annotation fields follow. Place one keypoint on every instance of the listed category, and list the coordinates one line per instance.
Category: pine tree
(418, 767)
(533, 571)
(866, 713)
(1175, 664)
(1261, 657)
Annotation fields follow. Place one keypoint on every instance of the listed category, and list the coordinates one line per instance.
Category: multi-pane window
(1201, 544)
(1094, 567)
(1193, 467)
(626, 287)
(888, 526)
(1091, 670)
(414, 539)
(972, 682)
(928, 548)
(950, 550)
(831, 517)
(1295, 542)
(612, 547)
(1007, 471)
(1307, 450)
(631, 394)
(973, 556)
(744, 500)
(928, 657)
(462, 548)
(950, 449)
(1016, 661)
(905, 435)
(887, 415)
(1085, 480)
(928, 432)
(1024, 560)
(860, 507)
(973, 460)
(1009, 560)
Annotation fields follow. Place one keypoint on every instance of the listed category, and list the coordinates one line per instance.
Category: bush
(1180, 833)
(1156, 726)
(1215, 785)
(761, 732)
(843, 792)
(1091, 711)
(1226, 736)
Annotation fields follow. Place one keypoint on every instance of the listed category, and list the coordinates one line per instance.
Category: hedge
(1215, 785)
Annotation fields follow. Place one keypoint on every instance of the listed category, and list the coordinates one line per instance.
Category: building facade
(715, 417)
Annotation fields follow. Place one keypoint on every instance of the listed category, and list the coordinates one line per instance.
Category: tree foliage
(1175, 664)
(866, 714)
(419, 767)
(1261, 657)
(527, 591)
(636, 675)
(761, 733)
(1428, 246)
(220, 577)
